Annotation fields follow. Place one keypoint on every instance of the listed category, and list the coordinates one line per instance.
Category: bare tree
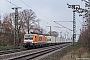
(84, 37)
(53, 33)
(26, 21)
(28, 17)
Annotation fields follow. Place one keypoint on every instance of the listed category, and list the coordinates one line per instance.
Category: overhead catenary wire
(23, 9)
(44, 16)
(33, 9)
(36, 11)
(46, 22)
(39, 13)
(62, 26)
(11, 3)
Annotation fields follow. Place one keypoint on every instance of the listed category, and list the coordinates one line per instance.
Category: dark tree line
(27, 20)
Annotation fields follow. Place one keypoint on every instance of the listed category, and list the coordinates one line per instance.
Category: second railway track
(31, 54)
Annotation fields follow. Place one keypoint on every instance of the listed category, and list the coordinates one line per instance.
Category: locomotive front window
(29, 37)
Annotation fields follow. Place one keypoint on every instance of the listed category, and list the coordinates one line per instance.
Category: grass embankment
(74, 52)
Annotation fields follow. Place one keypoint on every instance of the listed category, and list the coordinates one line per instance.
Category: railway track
(36, 54)
(15, 53)
(11, 51)
(30, 54)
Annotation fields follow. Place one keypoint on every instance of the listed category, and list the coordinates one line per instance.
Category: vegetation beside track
(74, 52)
(2, 48)
(69, 53)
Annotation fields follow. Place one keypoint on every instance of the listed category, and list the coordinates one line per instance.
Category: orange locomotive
(34, 40)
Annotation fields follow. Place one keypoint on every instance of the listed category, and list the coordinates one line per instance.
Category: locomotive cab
(28, 40)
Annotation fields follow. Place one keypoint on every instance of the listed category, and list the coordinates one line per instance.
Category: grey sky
(56, 10)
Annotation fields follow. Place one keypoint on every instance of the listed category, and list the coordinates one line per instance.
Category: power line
(36, 11)
(58, 27)
(46, 22)
(33, 9)
(63, 26)
(64, 21)
(11, 3)
(22, 9)
(43, 15)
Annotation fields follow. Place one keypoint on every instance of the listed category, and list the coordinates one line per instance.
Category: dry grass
(73, 55)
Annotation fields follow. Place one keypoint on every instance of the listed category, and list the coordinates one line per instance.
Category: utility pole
(50, 29)
(65, 38)
(74, 7)
(74, 27)
(16, 26)
(60, 36)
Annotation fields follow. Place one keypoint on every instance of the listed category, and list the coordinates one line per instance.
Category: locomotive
(40, 40)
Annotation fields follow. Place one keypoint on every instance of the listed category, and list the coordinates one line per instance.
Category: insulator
(80, 15)
(69, 6)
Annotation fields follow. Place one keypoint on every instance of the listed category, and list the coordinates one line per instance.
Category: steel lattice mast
(74, 20)
(16, 26)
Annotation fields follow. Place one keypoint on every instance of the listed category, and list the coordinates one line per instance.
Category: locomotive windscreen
(29, 37)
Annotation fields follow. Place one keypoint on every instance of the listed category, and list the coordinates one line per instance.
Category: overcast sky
(52, 10)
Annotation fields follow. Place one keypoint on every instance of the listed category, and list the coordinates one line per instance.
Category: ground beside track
(69, 53)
